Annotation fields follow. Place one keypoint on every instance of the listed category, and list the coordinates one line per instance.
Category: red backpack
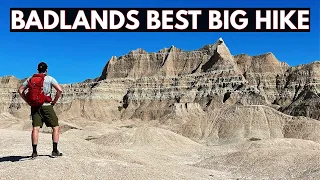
(35, 95)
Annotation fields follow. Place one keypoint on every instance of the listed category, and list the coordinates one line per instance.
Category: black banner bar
(160, 20)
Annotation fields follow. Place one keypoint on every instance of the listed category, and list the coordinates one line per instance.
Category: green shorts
(44, 114)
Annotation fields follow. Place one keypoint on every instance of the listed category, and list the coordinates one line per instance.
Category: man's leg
(34, 140)
(35, 135)
(51, 120)
(37, 124)
(55, 138)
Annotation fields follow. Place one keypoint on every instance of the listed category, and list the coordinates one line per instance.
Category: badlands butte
(175, 114)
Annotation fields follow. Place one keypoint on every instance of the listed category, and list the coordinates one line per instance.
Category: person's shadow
(16, 158)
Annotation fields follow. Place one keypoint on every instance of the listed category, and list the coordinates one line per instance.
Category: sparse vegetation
(128, 126)
(120, 108)
(254, 139)
(90, 138)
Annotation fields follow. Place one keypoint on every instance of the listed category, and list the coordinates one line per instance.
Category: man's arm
(21, 90)
(58, 93)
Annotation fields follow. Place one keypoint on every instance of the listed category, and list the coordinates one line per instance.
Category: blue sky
(74, 57)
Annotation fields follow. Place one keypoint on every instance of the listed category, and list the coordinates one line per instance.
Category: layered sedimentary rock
(302, 91)
(149, 86)
(174, 76)
(8, 93)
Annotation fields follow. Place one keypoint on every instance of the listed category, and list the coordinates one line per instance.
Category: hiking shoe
(56, 154)
(34, 155)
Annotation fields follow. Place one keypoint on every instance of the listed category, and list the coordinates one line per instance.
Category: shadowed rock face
(148, 85)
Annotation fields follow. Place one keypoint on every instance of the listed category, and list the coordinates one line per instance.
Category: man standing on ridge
(39, 98)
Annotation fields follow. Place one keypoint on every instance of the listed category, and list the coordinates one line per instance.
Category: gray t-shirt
(47, 85)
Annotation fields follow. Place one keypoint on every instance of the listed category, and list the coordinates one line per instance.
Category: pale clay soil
(120, 150)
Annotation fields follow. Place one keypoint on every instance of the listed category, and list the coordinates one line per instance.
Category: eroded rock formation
(150, 86)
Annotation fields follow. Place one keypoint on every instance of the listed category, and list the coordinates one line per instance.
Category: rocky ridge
(154, 86)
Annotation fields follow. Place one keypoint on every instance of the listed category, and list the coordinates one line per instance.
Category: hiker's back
(40, 86)
(47, 85)
(35, 94)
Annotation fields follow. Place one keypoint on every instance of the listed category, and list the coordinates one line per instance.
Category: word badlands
(160, 20)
